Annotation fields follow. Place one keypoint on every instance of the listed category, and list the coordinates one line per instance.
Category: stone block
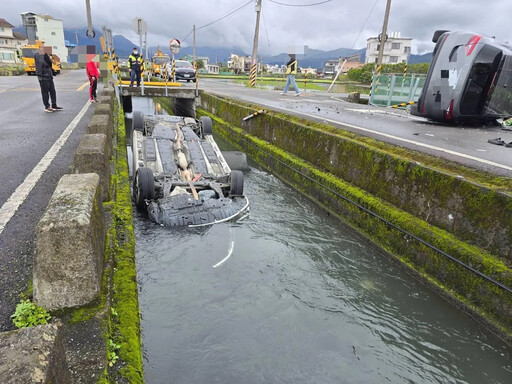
(109, 100)
(101, 124)
(92, 156)
(33, 355)
(103, 109)
(108, 90)
(70, 244)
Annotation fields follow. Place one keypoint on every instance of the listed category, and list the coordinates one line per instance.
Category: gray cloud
(329, 26)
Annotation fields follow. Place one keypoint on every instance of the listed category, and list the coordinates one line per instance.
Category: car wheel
(206, 126)
(143, 187)
(237, 183)
(138, 121)
(188, 80)
(236, 160)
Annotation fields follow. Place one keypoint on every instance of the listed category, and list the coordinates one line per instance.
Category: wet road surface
(26, 135)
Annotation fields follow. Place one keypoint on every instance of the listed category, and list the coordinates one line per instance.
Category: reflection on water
(303, 299)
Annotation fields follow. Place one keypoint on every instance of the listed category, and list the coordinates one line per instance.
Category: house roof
(18, 35)
(5, 23)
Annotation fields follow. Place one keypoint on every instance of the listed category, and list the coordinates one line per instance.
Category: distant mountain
(314, 58)
(418, 59)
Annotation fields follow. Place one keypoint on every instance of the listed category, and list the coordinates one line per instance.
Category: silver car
(469, 79)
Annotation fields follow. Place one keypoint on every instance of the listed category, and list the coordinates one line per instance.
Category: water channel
(302, 299)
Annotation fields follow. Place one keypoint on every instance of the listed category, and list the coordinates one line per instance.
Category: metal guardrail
(389, 90)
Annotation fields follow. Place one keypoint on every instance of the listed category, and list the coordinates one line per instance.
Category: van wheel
(206, 126)
(237, 183)
(143, 187)
(138, 121)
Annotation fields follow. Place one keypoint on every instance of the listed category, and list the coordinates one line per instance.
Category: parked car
(184, 70)
(181, 178)
(469, 80)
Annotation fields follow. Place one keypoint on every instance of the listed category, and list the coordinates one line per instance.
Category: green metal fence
(393, 89)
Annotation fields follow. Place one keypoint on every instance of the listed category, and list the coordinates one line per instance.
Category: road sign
(174, 45)
(143, 25)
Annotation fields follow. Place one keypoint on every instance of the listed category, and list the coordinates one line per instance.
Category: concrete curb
(70, 243)
(33, 355)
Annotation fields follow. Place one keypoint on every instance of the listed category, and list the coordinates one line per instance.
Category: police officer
(135, 63)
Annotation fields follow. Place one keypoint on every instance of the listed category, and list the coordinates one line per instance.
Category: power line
(222, 18)
(266, 32)
(300, 5)
(364, 24)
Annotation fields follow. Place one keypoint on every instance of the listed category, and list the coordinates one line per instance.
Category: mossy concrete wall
(478, 214)
(286, 146)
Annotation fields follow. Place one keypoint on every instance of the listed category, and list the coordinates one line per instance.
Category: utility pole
(194, 45)
(254, 58)
(195, 63)
(384, 33)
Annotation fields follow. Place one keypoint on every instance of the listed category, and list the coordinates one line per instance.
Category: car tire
(206, 126)
(438, 34)
(236, 160)
(237, 183)
(143, 187)
(138, 121)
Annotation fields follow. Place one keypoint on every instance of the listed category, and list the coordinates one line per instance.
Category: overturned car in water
(180, 175)
(469, 79)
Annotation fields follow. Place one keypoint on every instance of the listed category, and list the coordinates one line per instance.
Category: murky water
(302, 299)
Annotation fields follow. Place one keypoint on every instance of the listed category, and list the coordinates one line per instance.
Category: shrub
(28, 314)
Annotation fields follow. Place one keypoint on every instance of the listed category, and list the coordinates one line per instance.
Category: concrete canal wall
(448, 224)
(84, 270)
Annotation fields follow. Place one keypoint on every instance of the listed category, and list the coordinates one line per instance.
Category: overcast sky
(335, 24)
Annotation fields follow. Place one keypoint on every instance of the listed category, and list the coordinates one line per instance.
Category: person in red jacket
(92, 74)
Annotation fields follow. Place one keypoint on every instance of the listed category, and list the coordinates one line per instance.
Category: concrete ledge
(70, 244)
(92, 156)
(108, 90)
(104, 110)
(33, 355)
(101, 124)
(109, 100)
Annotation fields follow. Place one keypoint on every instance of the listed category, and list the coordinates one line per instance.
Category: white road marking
(469, 157)
(448, 151)
(12, 204)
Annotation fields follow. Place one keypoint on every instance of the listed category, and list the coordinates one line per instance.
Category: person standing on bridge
(135, 63)
(92, 74)
(291, 71)
(44, 73)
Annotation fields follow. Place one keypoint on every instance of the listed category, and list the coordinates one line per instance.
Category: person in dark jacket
(135, 63)
(291, 71)
(44, 73)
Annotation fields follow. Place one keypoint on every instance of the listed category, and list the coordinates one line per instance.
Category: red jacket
(92, 70)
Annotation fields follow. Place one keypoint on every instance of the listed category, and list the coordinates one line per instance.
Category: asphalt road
(27, 134)
(465, 145)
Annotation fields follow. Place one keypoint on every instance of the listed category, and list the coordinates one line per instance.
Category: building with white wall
(396, 49)
(49, 30)
(10, 43)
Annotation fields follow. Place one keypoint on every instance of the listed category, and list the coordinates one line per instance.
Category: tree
(200, 64)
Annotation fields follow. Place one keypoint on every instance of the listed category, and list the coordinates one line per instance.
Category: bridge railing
(391, 89)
